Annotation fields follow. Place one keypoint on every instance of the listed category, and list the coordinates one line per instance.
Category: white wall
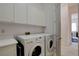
(13, 29)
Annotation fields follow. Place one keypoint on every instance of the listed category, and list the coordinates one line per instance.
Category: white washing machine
(49, 44)
(33, 44)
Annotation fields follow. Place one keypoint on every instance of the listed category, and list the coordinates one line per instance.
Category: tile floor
(69, 50)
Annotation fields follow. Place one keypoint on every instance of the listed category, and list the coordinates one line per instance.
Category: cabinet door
(6, 12)
(21, 13)
(58, 29)
(36, 16)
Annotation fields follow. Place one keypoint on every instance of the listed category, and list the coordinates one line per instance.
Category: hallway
(67, 47)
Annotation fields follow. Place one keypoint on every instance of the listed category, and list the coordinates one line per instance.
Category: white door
(6, 12)
(21, 13)
(36, 15)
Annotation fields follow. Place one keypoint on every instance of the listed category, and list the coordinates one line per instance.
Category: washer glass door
(36, 51)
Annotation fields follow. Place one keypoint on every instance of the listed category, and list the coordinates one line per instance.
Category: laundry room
(29, 29)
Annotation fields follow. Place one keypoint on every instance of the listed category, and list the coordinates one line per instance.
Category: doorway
(69, 29)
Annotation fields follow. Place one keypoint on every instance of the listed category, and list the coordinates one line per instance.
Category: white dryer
(49, 44)
(33, 44)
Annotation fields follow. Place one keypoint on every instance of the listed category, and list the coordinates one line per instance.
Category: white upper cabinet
(21, 13)
(36, 15)
(6, 12)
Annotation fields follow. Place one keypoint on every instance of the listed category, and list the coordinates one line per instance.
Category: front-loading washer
(49, 44)
(33, 44)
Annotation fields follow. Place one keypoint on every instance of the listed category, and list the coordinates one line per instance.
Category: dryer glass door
(50, 45)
